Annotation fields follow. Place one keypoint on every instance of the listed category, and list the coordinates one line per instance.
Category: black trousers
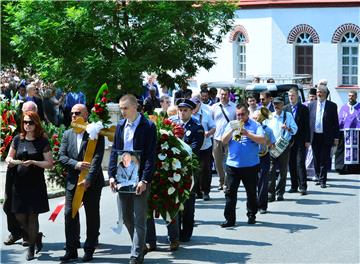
(205, 159)
(321, 152)
(248, 175)
(281, 163)
(263, 182)
(14, 226)
(91, 202)
(186, 218)
(297, 166)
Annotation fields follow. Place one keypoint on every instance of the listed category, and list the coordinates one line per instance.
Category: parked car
(276, 90)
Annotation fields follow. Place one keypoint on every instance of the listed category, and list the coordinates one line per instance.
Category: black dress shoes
(69, 256)
(227, 224)
(280, 198)
(251, 220)
(323, 185)
(293, 190)
(88, 256)
(271, 198)
(303, 192)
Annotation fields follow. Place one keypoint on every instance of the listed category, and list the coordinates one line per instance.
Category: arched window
(349, 58)
(240, 62)
(347, 37)
(304, 54)
(239, 38)
(303, 37)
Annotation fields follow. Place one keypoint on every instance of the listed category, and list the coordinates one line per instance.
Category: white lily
(163, 131)
(165, 145)
(176, 164)
(165, 166)
(162, 156)
(176, 177)
(171, 190)
(168, 218)
(175, 150)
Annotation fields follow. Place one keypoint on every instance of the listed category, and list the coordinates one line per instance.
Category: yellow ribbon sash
(79, 125)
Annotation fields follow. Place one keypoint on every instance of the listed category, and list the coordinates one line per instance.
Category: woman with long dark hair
(30, 152)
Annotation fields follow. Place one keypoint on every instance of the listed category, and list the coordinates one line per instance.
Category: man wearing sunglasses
(72, 151)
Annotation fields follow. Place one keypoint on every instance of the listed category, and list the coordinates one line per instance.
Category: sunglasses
(76, 113)
(30, 123)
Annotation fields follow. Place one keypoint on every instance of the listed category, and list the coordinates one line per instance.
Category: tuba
(264, 114)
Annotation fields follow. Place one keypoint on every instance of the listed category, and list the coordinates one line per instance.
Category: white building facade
(288, 39)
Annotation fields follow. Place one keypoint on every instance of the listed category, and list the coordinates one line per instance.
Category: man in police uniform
(194, 137)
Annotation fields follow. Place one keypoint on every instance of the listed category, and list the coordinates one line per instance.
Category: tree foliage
(82, 44)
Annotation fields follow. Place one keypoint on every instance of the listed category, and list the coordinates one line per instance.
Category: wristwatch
(144, 181)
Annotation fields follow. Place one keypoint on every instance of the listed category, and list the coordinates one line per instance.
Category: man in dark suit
(301, 141)
(134, 133)
(72, 151)
(324, 132)
(266, 101)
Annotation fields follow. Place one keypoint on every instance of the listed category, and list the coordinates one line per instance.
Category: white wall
(268, 52)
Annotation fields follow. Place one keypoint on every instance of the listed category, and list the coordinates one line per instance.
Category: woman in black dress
(30, 152)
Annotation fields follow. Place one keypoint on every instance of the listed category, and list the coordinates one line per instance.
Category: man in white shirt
(223, 112)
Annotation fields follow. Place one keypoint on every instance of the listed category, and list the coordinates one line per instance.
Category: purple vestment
(349, 122)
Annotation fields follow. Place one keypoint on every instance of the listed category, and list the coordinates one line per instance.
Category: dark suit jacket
(194, 135)
(144, 140)
(330, 121)
(302, 121)
(69, 156)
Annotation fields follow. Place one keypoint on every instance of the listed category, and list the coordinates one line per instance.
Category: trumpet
(237, 134)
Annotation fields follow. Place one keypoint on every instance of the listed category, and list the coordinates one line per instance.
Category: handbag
(281, 144)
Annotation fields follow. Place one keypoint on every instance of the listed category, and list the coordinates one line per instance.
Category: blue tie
(293, 110)
(318, 124)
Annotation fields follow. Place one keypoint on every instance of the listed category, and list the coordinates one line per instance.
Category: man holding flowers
(194, 137)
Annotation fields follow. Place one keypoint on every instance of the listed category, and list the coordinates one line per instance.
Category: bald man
(72, 151)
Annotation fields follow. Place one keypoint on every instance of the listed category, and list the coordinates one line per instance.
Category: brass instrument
(263, 115)
(237, 133)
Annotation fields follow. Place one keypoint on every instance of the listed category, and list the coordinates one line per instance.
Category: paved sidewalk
(321, 227)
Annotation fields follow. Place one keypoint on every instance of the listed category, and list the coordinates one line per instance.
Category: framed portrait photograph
(128, 171)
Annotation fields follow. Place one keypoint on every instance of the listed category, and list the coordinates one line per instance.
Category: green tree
(82, 44)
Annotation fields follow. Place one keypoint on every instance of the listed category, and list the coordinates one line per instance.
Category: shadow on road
(299, 214)
(343, 186)
(314, 202)
(205, 256)
(292, 228)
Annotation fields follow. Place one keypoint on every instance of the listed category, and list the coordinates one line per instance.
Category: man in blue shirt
(283, 125)
(242, 163)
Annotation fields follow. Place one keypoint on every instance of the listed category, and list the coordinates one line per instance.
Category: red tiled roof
(296, 3)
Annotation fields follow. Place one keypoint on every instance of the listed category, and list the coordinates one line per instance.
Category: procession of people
(254, 144)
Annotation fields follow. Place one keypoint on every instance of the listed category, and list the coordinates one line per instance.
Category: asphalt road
(321, 227)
